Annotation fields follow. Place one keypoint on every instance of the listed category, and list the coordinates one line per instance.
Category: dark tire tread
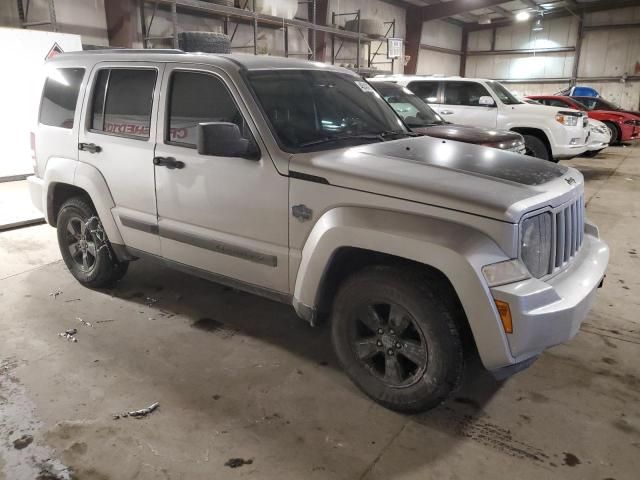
(108, 269)
(429, 301)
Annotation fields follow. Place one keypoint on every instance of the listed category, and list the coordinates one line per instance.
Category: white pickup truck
(550, 133)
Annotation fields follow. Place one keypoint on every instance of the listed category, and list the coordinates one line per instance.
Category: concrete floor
(241, 377)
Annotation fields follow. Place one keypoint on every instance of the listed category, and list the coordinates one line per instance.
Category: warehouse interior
(220, 354)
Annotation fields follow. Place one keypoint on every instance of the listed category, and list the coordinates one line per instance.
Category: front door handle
(168, 162)
(446, 112)
(90, 147)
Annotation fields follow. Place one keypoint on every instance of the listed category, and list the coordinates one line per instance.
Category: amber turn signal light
(505, 315)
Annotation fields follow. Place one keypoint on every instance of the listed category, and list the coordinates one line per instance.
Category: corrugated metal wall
(438, 33)
(604, 53)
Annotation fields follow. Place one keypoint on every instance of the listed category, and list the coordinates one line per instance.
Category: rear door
(428, 91)
(224, 215)
(460, 104)
(118, 138)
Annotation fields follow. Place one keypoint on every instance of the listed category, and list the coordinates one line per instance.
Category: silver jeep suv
(296, 181)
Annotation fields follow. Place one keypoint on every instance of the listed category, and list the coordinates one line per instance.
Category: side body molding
(458, 251)
(88, 178)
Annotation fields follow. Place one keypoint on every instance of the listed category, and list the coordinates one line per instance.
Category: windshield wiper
(381, 137)
(339, 138)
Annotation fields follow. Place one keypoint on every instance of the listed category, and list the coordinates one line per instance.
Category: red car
(624, 125)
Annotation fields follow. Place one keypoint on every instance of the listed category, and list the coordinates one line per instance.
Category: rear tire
(535, 147)
(84, 246)
(396, 339)
(615, 133)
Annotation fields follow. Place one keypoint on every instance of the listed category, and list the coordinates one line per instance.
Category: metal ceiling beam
(455, 7)
(562, 12)
(503, 11)
(530, 3)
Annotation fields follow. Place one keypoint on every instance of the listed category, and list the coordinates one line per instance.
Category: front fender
(456, 250)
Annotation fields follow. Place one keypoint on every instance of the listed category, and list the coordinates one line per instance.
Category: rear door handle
(90, 147)
(446, 112)
(168, 162)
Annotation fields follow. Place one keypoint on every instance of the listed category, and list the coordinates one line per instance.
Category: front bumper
(629, 133)
(569, 142)
(549, 312)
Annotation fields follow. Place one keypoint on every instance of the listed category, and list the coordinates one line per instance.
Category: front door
(224, 215)
(118, 139)
(460, 104)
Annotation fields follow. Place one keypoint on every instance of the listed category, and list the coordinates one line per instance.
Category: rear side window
(426, 91)
(464, 93)
(60, 96)
(122, 102)
(199, 98)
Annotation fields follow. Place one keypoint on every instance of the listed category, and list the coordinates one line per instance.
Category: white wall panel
(85, 18)
(609, 17)
(549, 65)
(479, 40)
(610, 53)
(438, 33)
(430, 62)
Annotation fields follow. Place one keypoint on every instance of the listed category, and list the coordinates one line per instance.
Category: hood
(460, 176)
(533, 109)
(504, 139)
(630, 112)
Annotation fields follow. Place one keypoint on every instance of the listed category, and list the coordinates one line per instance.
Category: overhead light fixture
(484, 20)
(522, 16)
(537, 26)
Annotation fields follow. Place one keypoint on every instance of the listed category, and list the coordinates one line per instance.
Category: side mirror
(487, 101)
(222, 139)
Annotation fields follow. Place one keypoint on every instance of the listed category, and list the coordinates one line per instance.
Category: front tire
(615, 133)
(84, 246)
(396, 339)
(535, 147)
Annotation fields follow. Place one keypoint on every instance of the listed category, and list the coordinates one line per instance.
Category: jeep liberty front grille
(568, 225)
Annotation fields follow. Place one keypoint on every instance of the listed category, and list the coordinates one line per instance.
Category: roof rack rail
(132, 50)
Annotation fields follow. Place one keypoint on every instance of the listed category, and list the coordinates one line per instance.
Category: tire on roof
(207, 42)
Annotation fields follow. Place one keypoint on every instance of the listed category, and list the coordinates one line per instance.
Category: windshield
(503, 94)
(316, 109)
(592, 103)
(413, 111)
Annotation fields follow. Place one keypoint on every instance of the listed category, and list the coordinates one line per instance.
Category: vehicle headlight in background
(535, 243)
(566, 119)
(501, 273)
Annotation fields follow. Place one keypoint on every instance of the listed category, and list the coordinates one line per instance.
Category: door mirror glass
(487, 101)
(222, 139)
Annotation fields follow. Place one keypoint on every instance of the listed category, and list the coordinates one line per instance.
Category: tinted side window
(464, 93)
(427, 91)
(60, 96)
(122, 102)
(198, 98)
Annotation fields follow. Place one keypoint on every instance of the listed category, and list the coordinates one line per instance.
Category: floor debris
(55, 293)
(70, 335)
(84, 322)
(23, 442)
(150, 301)
(237, 462)
(72, 300)
(106, 321)
(138, 413)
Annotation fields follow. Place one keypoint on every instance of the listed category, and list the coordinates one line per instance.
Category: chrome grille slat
(568, 234)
